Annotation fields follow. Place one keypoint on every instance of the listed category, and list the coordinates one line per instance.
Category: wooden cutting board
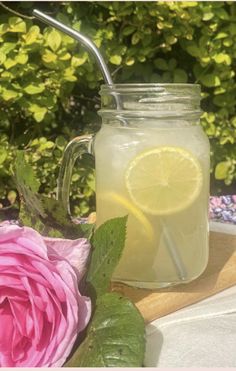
(219, 275)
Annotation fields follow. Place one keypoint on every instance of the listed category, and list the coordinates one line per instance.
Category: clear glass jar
(152, 164)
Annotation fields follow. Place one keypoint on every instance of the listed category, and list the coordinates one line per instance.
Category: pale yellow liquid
(146, 260)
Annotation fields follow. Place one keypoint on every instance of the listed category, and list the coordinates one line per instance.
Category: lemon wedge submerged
(164, 180)
(131, 209)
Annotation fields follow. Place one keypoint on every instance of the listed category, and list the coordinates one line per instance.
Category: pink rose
(41, 308)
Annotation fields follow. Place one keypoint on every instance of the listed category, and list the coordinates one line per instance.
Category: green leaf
(194, 50)
(33, 89)
(64, 56)
(79, 61)
(222, 58)
(27, 186)
(161, 64)
(207, 16)
(180, 76)
(46, 215)
(7, 47)
(38, 112)
(221, 170)
(61, 142)
(24, 173)
(108, 243)
(2, 57)
(9, 94)
(11, 196)
(54, 40)
(171, 39)
(3, 155)
(49, 57)
(21, 58)
(210, 80)
(221, 35)
(9, 63)
(116, 336)
(3, 28)
(69, 74)
(17, 25)
(135, 38)
(115, 59)
(172, 64)
(32, 35)
(58, 221)
(128, 30)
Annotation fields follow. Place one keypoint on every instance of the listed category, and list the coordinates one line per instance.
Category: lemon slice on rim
(164, 180)
(132, 210)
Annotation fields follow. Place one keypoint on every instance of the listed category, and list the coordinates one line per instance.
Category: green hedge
(49, 84)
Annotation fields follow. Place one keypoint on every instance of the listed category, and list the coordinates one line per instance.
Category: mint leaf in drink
(115, 338)
(108, 243)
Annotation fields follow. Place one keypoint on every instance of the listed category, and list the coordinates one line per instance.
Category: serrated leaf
(116, 336)
(108, 243)
(25, 173)
(54, 40)
(27, 186)
(46, 215)
(57, 220)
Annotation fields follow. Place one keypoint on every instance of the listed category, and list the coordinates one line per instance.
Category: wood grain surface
(219, 275)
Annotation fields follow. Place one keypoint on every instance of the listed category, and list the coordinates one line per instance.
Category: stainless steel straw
(87, 43)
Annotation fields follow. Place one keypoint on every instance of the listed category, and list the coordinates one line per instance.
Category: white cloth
(200, 335)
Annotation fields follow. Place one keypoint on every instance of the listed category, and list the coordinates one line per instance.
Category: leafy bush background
(49, 85)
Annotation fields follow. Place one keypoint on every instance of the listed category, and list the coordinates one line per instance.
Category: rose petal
(41, 308)
(75, 251)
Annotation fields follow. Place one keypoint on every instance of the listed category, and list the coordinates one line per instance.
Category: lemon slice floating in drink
(116, 198)
(164, 180)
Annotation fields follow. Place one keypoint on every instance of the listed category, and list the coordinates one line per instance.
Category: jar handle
(74, 149)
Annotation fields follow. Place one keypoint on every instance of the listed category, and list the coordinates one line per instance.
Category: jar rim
(158, 87)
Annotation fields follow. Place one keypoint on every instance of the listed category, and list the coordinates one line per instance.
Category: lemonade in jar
(152, 164)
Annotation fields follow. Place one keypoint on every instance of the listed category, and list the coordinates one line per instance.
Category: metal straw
(87, 43)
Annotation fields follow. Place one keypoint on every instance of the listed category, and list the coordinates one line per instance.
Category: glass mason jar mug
(152, 164)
